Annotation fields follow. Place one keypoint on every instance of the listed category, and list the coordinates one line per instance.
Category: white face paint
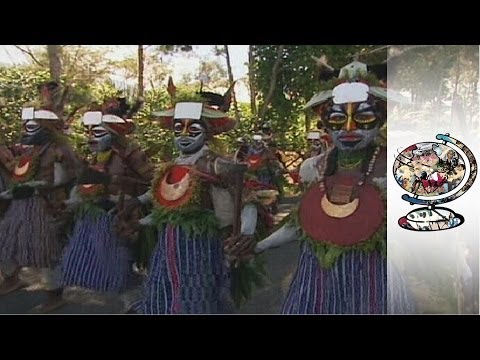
(31, 127)
(98, 132)
(34, 134)
(100, 139)
(257, 143)
(190, 135)
(315, 144)
(352, 126)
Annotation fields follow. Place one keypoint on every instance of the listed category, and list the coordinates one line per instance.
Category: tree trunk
(55, 62)
(273, 82)
(253, 92)
(308, 122)
(56, 70)
(230, 80)
(141, 66)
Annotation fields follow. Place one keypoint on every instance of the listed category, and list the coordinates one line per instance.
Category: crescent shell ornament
(173, 192)
(25, 169)
(338, 211)
(21, 170)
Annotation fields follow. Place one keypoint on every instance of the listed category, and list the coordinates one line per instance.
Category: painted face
(190, 135)
(258, 142)
(267, 135)
(99, 139)
(352, 126)
(315, 144)
(34, 134)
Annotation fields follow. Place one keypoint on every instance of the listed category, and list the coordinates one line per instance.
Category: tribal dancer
(197, 204)
(7, 164)
(30, 232)
(98, 256)
(341, 216)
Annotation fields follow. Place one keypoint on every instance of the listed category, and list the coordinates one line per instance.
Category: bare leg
(55, 300)
(11, 282)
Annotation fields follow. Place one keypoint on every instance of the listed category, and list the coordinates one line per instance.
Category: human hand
(239, 248)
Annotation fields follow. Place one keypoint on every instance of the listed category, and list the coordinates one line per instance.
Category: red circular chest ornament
(24, 170)
(91, 189)
(254, 161)
(341, 225)
(175, 187)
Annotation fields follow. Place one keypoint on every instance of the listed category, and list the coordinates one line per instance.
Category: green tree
(54, 59)
(214, 75)
(283, 90)
(224, 52)
(17, 87)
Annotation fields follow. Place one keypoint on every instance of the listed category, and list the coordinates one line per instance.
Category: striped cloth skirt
(94, 258)
(187, 275)
(28, 234)
(3, 187)
(355, 284)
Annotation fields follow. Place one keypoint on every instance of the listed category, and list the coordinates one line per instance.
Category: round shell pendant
(173, 192)
(21, 170)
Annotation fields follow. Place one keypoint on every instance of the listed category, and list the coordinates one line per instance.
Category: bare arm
(146, 198)
(74, 200)
(249, 219)
(285, 234)
(66, 165)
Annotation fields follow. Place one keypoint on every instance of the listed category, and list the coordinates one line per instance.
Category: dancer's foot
(54, 302)
(10, 284)
(49, 306)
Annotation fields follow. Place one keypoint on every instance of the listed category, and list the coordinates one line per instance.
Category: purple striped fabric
(355, 284)
(94, 257)
(187, 275)
(28, 235)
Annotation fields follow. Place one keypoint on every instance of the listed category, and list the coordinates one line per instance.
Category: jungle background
(280, 79)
